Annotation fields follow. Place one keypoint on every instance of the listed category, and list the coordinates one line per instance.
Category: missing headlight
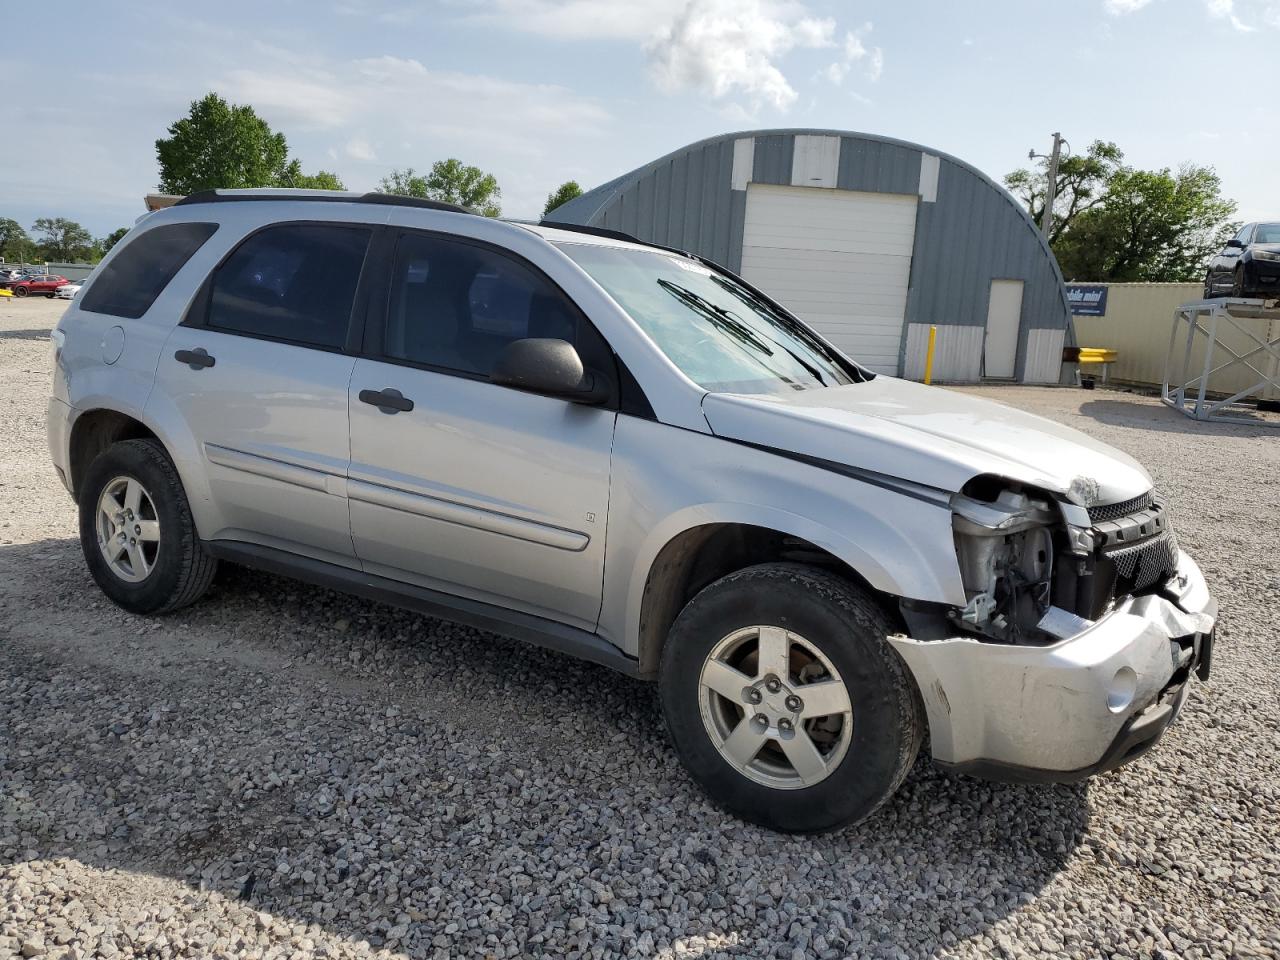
(1005, 549)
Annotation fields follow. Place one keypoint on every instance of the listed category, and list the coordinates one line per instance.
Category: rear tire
(132, 489)
(1237, 283)
(1208, 288)
(20, 291)
(722, 705)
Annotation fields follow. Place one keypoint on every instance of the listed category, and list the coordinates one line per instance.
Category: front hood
(929, 435)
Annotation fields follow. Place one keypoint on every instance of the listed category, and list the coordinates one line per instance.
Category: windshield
(1267, 233)
(721, 335)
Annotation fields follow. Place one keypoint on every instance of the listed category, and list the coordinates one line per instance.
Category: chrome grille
(1114, 511)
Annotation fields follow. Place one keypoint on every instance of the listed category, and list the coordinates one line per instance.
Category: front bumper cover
(1067, 710)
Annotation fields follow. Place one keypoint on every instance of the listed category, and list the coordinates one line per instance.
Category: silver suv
(630, 455)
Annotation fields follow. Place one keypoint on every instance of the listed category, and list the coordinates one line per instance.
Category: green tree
(220, 145)
(1082, 184)
(449, 181)
(15, 245)
(292, 176)
(62, 240)
(569, 190)
(111, 239)
(1152, 225)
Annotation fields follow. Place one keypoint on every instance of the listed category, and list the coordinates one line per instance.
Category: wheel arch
(699, 554)
(97, 429)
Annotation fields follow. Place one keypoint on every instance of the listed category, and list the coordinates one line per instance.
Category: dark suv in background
(1249, 266)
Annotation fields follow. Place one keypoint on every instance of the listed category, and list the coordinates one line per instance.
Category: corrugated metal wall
(1138, 325)
(969, 231)
(957, 353)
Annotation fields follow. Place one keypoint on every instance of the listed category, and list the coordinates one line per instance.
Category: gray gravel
(282, 771)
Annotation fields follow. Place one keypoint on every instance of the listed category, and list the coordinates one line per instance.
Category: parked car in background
(1249, 266)
(9, 275)
(68, 290)
(42, 284)
(816, 564)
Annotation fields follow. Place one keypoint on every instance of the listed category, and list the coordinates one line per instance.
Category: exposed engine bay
(1036, 570)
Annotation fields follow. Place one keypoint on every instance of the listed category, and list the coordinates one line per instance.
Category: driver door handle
(388, 400)
(196, 359)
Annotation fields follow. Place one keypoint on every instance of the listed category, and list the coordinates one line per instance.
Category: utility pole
(1051, 194)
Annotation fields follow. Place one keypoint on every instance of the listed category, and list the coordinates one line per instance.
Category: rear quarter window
(129, 284)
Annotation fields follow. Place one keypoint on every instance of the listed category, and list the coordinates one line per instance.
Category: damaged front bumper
(1066, 710)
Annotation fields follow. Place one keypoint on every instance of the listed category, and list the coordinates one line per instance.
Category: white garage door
(837, 259)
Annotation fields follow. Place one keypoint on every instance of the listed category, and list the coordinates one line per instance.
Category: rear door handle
(196, 359)
(388, 400)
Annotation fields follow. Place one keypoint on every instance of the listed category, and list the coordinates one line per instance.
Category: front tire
(784, 700)
(136, 530)
(1237, 283)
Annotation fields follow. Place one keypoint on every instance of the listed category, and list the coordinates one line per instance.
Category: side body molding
(450, 511)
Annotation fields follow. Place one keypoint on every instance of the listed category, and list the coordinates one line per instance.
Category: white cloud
(517, 131)
(726, 47)
(1225, 10)
(875, 69)
(376, 90)
(854, 50)
(358, 148)
(580, 19)
(1242, 15)
(1118, 8)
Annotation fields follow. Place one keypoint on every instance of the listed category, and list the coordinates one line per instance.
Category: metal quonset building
(869, 239)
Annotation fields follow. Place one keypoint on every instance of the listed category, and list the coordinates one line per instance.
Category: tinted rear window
(130, 283)
(295, 282)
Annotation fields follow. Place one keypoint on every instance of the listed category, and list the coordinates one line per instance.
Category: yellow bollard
(928, 357)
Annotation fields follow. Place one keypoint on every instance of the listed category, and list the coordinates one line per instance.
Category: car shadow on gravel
(1146, 416)
(41, 333)
(394, 779)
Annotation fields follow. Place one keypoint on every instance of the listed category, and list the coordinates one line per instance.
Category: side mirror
(1233, 242)
(548, 366)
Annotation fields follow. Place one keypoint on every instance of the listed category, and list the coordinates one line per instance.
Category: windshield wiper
(812, 370)
(716, 315)
(772, 314)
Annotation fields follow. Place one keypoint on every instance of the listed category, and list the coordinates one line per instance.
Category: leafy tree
(569, 190)
(62, 240)
(320, 180)
(220, 145)
(451, 182)
(1152, 225)
(1082, 184)
(111, 239)
(15, 245)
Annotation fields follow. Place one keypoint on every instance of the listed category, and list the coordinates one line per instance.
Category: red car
(45, 283)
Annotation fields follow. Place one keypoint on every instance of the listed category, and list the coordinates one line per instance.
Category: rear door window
(295, 282)
(130, 282)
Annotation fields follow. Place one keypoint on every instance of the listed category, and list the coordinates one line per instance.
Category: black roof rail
(628, 238)
(392, 199)
(594, 231)
(399, 200)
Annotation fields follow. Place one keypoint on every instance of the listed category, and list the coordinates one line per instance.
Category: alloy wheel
(128, 529)
(775, 707)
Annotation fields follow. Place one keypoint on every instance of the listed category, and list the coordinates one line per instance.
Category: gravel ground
(283, 771)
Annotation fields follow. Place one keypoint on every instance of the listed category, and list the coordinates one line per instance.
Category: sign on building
(1087, 300)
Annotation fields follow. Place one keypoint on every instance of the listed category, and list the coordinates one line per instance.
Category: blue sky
(540, 91)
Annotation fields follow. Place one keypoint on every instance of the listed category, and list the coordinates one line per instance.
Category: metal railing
(1254, 326)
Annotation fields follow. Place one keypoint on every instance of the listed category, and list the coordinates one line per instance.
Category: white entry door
(1004, 316)
(838, 259)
